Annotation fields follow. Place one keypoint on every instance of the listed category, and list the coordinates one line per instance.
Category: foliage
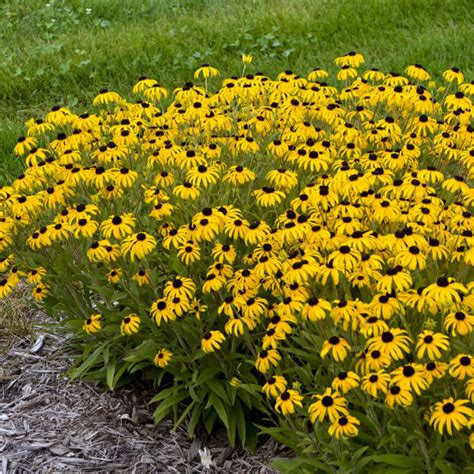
(280, 255)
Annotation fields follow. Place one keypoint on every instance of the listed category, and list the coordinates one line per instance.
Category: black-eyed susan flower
(274, 386)
(97, 251)
(180, 286)
(162, 358)
(459, 322)
(138, 245)
(287, 402)
(453, 74)
(5, 262)
(239, 175)
(106, 97)
(6, 286)
(445, 291)
(345, 381)
(114, 275)
(449, 414)
(272, 337)
(462, 366)
(212, 341)
(268, 196)
(345, 426)
(266, 359)
(202, 176)
(373, 326)
(435, 370)
(36, 274)
(161, 311)
(431, 344)
(316, 309)
(398, 396)
(330, 404)
(418, 72)
(346, 72)
(92, 324)
(118, 227)
(40, 292)
(375, 382)
(84, 227)
(25, 144)
(189, 252)
(411, 376)
(206, 71)
(142, 277)
(393, 342)
(337, 346)
(353, 59)
(130, 324)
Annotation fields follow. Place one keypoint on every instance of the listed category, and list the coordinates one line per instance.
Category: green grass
(62, 55)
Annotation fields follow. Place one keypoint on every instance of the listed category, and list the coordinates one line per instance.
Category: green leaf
(241, 423)
(88, 363)
(220, 408)
(210, 420)
(218, 389)
(398, 460)
(110, 376)
(232, 428)
(194, 420)
(119, 373)
(165, 393)
(185, 413)
(167, 405)
(444, 466)
(300, 465)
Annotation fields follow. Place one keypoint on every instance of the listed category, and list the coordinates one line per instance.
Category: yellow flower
(130, 324)
(6, 286)
(162, 358)
(345, 426)
(338, 347)
(40, 292)
(398, 396)
(138, 245)
(453, 74)
(450, 414)
(274, 386)
(267, 358)
(118, 227)
(106, 97)
(329, 404)
(246, 58)
(212, 341)
(92, 324)
(287, 401)
(206, 71)
(432, 343)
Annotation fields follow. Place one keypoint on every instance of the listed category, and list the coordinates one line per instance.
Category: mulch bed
(48, 424)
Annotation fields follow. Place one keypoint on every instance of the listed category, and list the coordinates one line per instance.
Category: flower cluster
(319, 236)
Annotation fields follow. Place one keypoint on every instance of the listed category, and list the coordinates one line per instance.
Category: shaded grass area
(65, 52)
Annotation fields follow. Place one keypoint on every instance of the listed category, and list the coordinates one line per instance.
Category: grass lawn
(64, 51)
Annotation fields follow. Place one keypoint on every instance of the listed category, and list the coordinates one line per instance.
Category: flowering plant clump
(280, 255)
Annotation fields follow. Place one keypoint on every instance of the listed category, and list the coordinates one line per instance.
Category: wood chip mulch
(48, 424)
